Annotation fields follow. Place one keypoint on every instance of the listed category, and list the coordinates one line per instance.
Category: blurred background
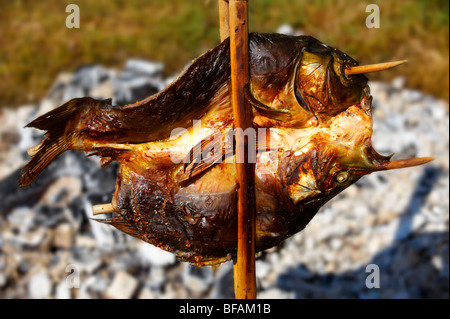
(36, 46)
(128, 50)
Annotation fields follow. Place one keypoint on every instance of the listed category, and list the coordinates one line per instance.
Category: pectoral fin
(282, 115)
(212, 150)
(201, 157)
(121, 225)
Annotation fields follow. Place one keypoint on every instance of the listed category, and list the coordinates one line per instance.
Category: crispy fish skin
(320, 117)
(197, 219)
(85, 123)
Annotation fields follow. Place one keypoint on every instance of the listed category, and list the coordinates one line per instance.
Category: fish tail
(56, 141)
(47, 151)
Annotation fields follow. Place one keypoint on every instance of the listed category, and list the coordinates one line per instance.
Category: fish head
(333, 157)
(321, 85)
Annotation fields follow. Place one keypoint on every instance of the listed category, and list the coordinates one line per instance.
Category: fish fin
(105, 161)
(109, 152)
(50, 148)
(65, 129)
(196, 162)
(264, 109)
(203, 155)
(55, 120)
(120, 224)
(57, 123)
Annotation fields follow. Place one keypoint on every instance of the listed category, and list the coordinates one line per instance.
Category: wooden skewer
(244, 265)
(404, 163)
(373, 67)
(102, 209)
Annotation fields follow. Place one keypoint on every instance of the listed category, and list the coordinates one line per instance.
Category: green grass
(35, 45)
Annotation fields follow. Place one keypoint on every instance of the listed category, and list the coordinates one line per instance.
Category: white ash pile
(394, 222)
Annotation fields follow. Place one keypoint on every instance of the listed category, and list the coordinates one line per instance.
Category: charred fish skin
(197, 219)
(86, 124)
(299, 91)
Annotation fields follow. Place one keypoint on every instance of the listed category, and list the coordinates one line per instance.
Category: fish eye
(342, 177)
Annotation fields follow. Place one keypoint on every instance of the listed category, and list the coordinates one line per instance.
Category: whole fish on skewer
(176, 187)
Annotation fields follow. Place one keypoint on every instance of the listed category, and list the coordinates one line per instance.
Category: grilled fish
(176, 187)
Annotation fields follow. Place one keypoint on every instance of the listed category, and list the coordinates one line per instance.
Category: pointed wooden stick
(102, 209)
(244, 265)
(409, 162)
(373, 67)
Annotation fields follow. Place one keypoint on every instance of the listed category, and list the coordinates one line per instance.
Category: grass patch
(36, 45)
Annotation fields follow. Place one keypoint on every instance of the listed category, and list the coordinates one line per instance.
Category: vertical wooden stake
(244, 265)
